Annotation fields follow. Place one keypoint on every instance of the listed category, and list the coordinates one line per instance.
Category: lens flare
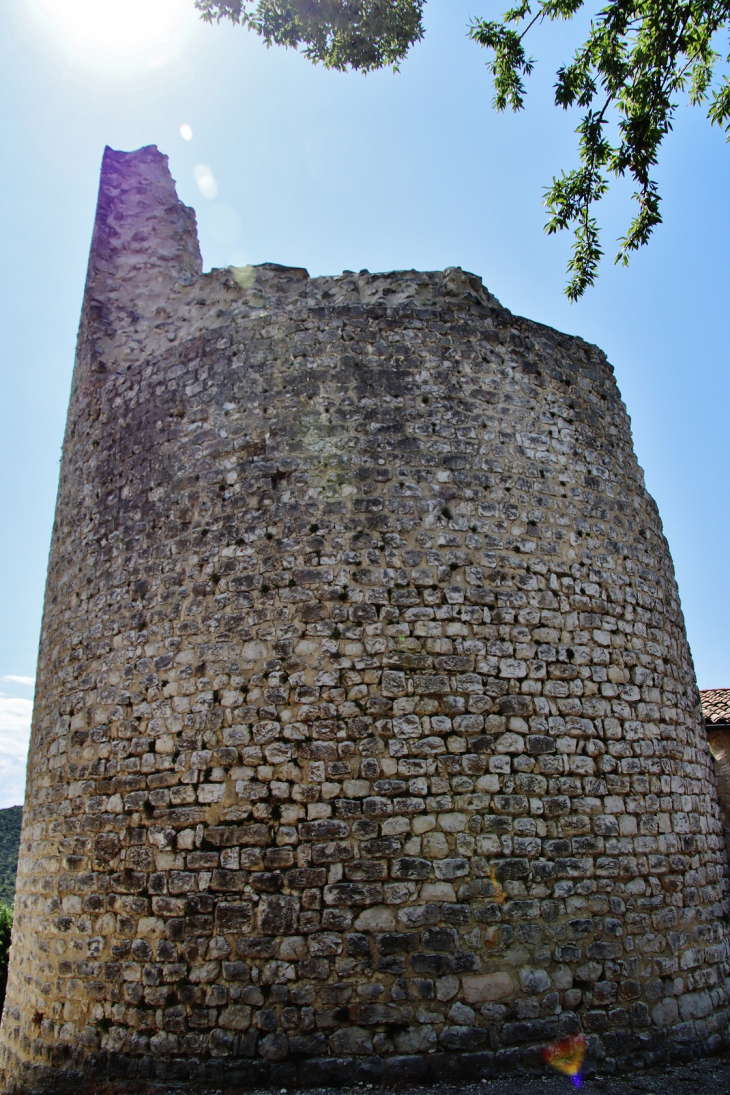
(566, 1056)
(205, 179)
(186, 132)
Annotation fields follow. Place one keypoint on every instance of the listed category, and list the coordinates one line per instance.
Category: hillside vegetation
(10, 820)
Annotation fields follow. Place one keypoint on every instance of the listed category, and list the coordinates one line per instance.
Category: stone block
(481, 988)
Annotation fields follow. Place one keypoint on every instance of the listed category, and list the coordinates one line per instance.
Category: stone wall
(719, 742)
(366, 742)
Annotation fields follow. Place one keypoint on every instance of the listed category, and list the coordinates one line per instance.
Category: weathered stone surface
(366, 742)
(481, 988)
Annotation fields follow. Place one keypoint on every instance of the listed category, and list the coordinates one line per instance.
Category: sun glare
(118, 33)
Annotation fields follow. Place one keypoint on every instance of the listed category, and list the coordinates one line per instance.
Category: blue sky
(339, 171)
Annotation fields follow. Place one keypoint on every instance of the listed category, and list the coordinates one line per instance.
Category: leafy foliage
(360, 34)
(639, 58)
(6, 924)
(10, 822)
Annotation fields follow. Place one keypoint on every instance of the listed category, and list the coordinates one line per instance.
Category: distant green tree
(639, 59)
(11, 820)
(6, 924)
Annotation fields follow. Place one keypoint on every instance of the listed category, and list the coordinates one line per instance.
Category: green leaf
(360, 34)
(638, 61)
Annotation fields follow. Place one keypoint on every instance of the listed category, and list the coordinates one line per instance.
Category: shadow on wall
(6, 927)
(719, 742)
(716, 709)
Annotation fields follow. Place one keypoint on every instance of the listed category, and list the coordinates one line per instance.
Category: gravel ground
(698, 1076)
(708, 1076)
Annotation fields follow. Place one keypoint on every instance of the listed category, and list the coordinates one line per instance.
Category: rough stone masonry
(367, 743)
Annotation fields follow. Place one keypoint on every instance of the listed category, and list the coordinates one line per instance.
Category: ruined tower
(366, 740)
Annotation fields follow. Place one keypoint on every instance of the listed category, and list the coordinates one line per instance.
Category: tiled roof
(715, 705)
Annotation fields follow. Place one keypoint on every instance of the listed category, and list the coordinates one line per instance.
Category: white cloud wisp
(15, 715)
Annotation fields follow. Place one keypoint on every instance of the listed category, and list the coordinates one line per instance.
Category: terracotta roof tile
(716, 705)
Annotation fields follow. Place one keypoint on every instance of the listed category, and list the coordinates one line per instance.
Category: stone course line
(366, 744)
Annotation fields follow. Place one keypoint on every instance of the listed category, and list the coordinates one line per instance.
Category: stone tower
(366, 742)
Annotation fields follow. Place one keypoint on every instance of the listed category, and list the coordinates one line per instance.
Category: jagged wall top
(145, 286)
(144, 242)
